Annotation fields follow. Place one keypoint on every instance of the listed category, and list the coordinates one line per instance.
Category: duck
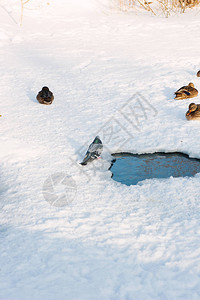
(45, 96)
(185, 92)
(198, 74)
(193, 112)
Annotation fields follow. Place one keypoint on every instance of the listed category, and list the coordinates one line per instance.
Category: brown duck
(45, 96)
(193, 112)
(186, 92)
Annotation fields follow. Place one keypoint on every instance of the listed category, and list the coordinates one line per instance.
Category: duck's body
(45, 96)
(186, 92)
(193, 112)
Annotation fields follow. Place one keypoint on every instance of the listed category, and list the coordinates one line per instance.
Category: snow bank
(112, 75)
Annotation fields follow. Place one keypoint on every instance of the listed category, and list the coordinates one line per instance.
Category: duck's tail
(180, 96)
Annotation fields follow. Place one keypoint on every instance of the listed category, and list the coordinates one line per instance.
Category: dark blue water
(133, 168)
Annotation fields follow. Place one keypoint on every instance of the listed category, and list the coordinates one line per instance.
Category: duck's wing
(188, 93)
(181, 89)
(50, 94)
(47, 97)
(39, 96)
(184, 91)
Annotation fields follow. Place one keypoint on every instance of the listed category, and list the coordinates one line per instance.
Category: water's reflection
(132, 168)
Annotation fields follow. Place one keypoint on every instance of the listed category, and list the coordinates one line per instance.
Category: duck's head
(191, 84)
(45, 89)
(192, 108)
(45, 92)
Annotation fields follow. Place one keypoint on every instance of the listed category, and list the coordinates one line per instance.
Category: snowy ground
(108, 71)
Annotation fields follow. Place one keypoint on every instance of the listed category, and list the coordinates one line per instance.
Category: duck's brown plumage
(45, 96)
(193, 112)
(186, 92)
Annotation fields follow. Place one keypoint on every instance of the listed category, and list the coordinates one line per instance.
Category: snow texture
(112, 74)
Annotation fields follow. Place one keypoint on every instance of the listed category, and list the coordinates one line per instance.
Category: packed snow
(113, 74)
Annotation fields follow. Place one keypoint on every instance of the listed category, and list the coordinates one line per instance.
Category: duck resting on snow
(193, 112)
(45, 96)
(186, 92)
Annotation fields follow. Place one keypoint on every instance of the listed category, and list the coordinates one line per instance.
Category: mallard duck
(186, 92)
(45, 96)
(193, 112)
(198, 74)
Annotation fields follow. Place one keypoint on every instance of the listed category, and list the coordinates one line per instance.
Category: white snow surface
(112, 74)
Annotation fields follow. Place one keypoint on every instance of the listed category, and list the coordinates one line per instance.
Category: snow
(112, 74)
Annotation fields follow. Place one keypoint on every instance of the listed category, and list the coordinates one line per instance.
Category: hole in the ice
(130, 168)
